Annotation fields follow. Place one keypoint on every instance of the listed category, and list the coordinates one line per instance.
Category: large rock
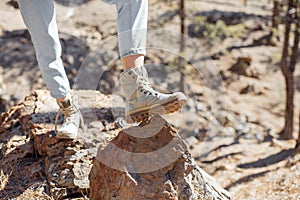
(150, 161)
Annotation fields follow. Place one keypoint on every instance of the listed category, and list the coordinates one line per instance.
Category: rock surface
(34, 159)
(150, 161)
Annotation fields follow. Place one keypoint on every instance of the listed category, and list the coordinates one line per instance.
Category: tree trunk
(294, 58)
(287, 71)
(289, 105)
(295, 47)
(298, 141)
(182, 44)
(275, 14)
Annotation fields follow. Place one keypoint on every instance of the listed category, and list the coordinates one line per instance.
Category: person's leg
(142, 100)
(39, 17)
(132, 31)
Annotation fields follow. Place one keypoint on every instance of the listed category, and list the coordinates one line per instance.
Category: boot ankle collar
(64, 104)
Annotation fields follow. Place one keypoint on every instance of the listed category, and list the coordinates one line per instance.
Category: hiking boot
(142, 100)
(72, 119)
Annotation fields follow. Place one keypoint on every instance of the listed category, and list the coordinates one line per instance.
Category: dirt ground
(246, 158)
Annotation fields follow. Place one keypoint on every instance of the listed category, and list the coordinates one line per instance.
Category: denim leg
(39, 17)
(132, 25)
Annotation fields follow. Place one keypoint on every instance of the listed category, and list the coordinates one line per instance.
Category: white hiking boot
(142, 100)
(72, 119)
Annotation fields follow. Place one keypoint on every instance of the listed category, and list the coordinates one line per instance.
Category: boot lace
(68, 114)
(145, 87)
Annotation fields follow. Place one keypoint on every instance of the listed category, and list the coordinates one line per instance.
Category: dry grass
(3, 179)
(10, 191)
(30, 194)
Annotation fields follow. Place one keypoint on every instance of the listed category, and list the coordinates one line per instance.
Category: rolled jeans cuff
(134, 51)
(132, 42)
(59, 95)
(132, 26)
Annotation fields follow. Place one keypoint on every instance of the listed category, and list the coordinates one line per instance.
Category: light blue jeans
(39, 17)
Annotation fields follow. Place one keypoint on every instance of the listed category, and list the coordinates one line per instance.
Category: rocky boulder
(109, 161)
(150, 161)
(32, 158)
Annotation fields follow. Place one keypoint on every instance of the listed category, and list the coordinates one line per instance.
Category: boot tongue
(143, 80)
(141, 71)
(133, 79)
(128, 81)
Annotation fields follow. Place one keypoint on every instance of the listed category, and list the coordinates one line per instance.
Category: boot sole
(161, 109)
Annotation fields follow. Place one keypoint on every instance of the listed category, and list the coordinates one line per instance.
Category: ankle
(133, 61)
